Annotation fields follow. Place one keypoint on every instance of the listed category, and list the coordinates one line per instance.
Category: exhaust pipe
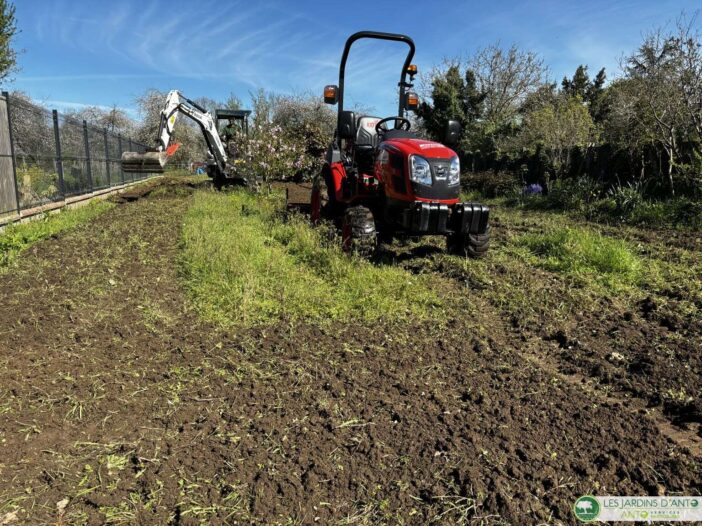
(142, 163)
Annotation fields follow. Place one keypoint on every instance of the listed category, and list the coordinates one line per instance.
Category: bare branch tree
(506, 77)
(654, 73)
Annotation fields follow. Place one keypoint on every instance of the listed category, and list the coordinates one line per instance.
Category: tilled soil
(645, 350)
(118, 405)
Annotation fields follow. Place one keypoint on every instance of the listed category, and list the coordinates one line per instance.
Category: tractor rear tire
(471, 245)
(358, 235)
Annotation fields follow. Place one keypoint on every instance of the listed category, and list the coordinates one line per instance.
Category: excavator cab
(237, 118)
(232, 125)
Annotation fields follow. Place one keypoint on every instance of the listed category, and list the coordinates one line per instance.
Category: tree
(452, 97)
(233, 102)
(32, 130)
(654, 75)
(557, 128)
(115, 119)
(595, 97)
(625, 127)
(580, 85)
(8, 30)
(209, 104)
(505, 78)
(306, 119)
(589, 91)
(686, 45)
(487, 99)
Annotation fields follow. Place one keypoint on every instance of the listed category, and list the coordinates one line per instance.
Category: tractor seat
(366, 143)
(366, 136)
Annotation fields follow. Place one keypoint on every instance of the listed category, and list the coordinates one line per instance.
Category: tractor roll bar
(380, 36)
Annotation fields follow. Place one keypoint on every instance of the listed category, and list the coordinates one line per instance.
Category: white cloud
(247, 45)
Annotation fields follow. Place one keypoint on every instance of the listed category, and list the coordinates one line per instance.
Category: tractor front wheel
(471, 245)
(358, 235)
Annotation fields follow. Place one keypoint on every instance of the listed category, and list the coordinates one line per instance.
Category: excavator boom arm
(154, 161)
(177, 103)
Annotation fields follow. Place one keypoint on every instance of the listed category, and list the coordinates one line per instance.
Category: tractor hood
(423, 147)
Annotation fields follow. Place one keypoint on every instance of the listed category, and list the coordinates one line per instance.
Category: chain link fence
(46, 157)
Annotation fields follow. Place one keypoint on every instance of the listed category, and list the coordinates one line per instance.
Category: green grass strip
(582, 251)
(244, 264)
(18, 237)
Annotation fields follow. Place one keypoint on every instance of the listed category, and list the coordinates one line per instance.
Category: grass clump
(18, 237)
(244, 264)
(581, 251)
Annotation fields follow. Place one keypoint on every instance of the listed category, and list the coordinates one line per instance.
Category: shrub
(273, 154)
(573, 195)
(491, 184)
(308, 121)
(627, 198)
(36, 184)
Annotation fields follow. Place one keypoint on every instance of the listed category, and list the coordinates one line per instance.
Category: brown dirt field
(115, 396)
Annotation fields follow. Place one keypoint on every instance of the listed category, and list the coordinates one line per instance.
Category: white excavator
(221, 160)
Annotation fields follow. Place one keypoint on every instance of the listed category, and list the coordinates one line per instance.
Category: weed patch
(581, 251)
(245, 264)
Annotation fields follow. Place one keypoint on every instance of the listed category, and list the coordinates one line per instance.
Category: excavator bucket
(140, 163)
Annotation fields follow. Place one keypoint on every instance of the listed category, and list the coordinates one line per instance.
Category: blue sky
(106, 53)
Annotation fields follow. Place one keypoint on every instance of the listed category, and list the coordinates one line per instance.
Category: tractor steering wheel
(405, 124)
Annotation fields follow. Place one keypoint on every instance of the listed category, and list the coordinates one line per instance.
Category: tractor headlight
(420, 171)
(454, 172)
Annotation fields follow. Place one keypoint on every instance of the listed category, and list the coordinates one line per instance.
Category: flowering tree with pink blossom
(288, 137)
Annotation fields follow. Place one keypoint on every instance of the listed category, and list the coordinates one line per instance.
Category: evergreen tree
(579, 85)
(587, 90)
(453, 97)
(596, 97)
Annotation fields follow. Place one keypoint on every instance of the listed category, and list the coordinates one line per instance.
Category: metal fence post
(59, 156)
(87, 155)
(119, 142)
(131, 149)
(12, 150)
(107, 159)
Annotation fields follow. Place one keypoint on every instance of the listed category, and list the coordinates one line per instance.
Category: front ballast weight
(438, 218)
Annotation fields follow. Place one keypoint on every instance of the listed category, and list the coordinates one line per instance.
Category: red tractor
(386, 182)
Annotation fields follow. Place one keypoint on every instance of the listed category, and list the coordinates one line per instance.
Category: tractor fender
(334, 175)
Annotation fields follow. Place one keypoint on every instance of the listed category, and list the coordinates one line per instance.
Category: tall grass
(244, 264)
(582, 251)
(16, 238)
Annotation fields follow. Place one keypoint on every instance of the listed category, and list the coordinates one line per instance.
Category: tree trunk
(670, 153)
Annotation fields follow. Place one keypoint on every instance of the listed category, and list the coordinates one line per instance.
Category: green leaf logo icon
(586, 508)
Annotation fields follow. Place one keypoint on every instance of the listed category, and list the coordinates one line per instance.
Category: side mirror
(411, 101)
(331, 94)
(453, 133)
(347, 125)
